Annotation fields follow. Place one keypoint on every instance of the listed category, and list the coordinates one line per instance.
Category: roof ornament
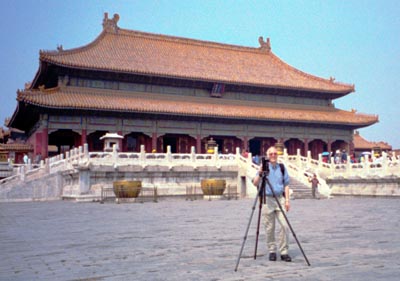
(110, 25)
(332, 79)
(27, 85)
(264, 45)
(60, 48)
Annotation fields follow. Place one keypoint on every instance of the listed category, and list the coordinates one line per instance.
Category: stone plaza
(344, 238)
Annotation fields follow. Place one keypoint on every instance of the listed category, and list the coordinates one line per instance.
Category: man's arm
(257, 178)
(287, 198)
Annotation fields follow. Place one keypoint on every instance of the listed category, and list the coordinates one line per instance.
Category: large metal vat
(213, 186)
(127, 189)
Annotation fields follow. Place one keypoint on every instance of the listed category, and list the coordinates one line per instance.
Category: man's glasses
(272, 154)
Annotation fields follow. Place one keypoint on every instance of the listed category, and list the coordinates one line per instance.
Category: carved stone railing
(298, 166)
(373, 167)
(303, 167)
(81, 157)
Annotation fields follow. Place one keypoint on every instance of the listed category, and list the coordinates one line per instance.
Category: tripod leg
(247, 231)
(287, 221)
(258, 228)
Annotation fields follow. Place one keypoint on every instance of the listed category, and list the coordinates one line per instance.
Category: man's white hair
(271, 148)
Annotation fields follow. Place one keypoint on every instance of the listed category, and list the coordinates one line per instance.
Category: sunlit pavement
(175, 239)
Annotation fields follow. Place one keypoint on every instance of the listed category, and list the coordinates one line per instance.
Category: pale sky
(355, 41)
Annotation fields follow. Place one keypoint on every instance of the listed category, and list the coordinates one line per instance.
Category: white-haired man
(279, 181)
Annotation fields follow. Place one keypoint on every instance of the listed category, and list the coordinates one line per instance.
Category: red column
(154, 141)
(351, 148)
(245, 144)
(198, 144)
(305, 147)
(45, 143)
(37, 148)
(329, 146)
(83, 137)
(120, 141)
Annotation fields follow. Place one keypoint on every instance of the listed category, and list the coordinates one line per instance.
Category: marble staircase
(300, 190)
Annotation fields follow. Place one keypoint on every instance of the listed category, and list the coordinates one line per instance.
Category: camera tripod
(261, 195)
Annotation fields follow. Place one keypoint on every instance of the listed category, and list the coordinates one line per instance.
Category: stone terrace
(343, 238)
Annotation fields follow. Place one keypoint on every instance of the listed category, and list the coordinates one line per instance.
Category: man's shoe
(272, 256)
(286, 258)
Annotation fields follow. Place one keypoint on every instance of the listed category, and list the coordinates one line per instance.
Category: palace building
(158, 91)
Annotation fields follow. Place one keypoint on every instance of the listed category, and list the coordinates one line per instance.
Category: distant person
(344, 157)
(338, 157)
(353, 158)
(38, 158)
(25, 158)
(256, 159)
(314, 184)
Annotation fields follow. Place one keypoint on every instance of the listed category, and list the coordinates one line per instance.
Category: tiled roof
(121, 101)
(362, 144)
(15, 147)
(128, 51)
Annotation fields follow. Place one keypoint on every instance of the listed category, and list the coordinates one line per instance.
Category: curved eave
(213, 116)
(12, 120)
(125, 102)
(39, 72)
(23, 117)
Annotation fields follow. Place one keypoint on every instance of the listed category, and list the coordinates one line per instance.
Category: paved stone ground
(343, 238)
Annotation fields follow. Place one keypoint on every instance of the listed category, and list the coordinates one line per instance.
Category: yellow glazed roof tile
(135, 52)
(113, 100)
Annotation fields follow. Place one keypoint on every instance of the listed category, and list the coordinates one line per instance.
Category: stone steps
(300, 191)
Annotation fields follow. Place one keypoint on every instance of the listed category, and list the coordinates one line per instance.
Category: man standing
(314, 184)
(279, 181)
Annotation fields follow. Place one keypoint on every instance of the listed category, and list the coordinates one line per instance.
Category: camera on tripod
(265, 164)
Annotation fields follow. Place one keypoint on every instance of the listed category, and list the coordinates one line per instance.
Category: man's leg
(269, 223)
(284, 230)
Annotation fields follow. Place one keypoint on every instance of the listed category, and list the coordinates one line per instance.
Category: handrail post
(169, 155)
(308, 159)
(86, 150)
(193, 153)
(142, 153)
(384, 163)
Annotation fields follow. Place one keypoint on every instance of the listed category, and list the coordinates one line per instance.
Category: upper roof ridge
(189, 41)
(111, 26)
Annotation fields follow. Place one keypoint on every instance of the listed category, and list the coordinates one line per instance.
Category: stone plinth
(357, 186)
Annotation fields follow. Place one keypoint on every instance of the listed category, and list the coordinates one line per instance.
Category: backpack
(282, 166)
(282, 170)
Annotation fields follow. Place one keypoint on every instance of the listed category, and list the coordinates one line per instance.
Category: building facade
(158, 91)
(361, 145)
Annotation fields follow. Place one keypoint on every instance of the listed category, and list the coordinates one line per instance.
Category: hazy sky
(357, 42)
